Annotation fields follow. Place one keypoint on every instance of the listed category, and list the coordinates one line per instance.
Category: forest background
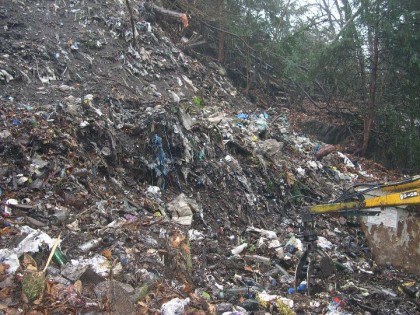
(357, 60)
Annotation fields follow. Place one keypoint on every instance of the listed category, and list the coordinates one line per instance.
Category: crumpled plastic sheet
(30, 244)
(174, 306)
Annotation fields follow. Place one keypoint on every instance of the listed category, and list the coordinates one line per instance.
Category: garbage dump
(138, 180)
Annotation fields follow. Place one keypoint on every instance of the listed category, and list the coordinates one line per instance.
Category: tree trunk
(220, 35)
(370, 116)
(248, 71)
(169, 14)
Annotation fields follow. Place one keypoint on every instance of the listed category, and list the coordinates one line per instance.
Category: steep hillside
(153, 168)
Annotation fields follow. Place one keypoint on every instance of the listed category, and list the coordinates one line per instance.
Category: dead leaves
(6, 230)
(107, 254)
(3, 268)
(5, 293)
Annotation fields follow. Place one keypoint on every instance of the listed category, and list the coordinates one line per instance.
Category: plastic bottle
(58, 257)
(85, 247)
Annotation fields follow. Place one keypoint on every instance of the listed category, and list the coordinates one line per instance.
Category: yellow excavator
(315, 266)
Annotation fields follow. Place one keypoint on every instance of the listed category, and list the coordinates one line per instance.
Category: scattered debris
(171, 191)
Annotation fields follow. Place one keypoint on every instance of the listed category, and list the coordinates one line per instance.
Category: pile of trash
(139, 180)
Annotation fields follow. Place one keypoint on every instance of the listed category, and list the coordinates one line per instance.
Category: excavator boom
(315, 267)
(392, 194)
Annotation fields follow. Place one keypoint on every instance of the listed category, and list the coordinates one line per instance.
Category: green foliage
(33, 284)
(399, 145)
(252, 249)
(205, 295)
(174, 109)
(198, 102)
(296, 192)
(330, 59)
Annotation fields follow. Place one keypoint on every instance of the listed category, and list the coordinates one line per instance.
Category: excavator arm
(401, 193)
(315, 266)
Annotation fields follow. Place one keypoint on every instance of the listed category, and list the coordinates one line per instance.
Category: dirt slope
(153, 168)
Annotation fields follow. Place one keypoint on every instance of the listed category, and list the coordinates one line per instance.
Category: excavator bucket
(394, 237)
(394, 234)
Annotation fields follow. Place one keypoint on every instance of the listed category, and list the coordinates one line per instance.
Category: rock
(121, 295)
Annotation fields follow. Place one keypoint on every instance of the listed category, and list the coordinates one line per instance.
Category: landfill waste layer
(172, 193)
